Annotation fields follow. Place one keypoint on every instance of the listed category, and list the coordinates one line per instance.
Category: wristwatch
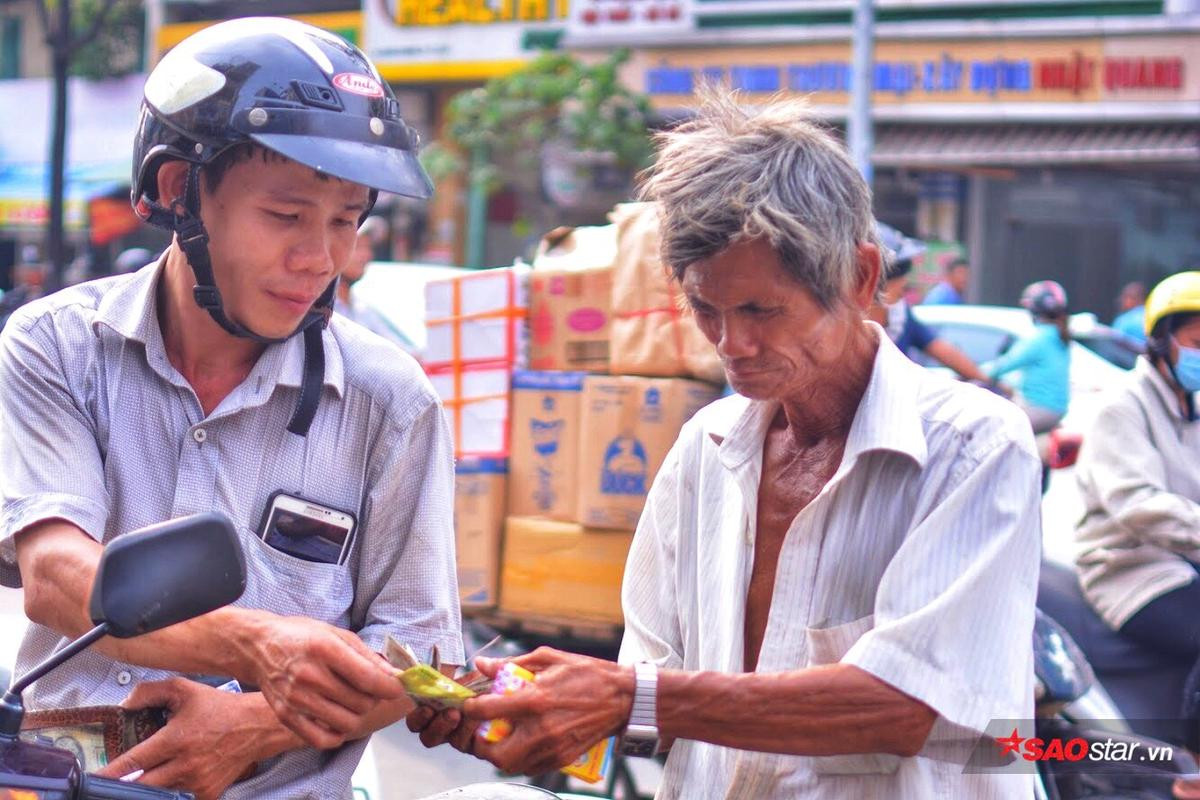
(641, 734)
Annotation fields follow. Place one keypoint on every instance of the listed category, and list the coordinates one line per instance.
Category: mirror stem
(12, 711)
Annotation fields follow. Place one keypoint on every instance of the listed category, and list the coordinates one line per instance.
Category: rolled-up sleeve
(648, 591)
(408, 585)
(52, 467)
(954, 611)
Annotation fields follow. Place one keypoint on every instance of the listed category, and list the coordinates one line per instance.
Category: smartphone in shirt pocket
(307, 530)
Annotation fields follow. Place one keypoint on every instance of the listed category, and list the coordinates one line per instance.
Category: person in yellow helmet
(1139, 539)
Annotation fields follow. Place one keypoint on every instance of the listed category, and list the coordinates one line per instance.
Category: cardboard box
(479, 498)
(560, 569)
(567, 248)
(630, 424)
(652, 331)
(545, 444)
(477, 318)
(569, 317)
(476, 401)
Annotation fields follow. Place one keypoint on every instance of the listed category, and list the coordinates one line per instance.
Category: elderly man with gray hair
(836, 566)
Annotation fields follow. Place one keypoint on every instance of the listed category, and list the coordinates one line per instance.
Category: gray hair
(733, 174)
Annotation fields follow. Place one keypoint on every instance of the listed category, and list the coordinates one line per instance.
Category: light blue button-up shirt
(97, 428)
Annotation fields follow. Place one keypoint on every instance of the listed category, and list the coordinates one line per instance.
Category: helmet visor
(376, 166)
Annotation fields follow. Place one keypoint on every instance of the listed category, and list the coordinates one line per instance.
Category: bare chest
(790, 481)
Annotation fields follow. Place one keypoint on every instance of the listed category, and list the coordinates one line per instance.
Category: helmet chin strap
(193, 240)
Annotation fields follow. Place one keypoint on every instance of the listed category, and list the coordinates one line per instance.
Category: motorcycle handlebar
(94, 788)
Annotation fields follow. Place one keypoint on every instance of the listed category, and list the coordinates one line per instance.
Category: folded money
(425, 683)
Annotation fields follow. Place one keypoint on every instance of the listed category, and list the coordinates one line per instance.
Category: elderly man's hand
(321, 681)
(210, 740)
(575, 702)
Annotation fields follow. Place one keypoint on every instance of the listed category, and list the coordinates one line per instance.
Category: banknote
(85, 741)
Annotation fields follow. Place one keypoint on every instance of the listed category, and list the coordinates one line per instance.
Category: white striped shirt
(917, 563)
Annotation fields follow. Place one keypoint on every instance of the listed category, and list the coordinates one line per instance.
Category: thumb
(489, 666)
(155, 694)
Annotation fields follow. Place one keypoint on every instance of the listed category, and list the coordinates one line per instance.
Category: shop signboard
(451, 40)
(1127, 69)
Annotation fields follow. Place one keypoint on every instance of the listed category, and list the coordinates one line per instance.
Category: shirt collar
(293, 362)
(130, 309)
(887, 416)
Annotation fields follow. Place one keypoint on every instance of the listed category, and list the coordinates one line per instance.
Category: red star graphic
(1011, 744)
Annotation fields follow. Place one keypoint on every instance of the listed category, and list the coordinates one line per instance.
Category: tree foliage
(555, 97)
(117, 48)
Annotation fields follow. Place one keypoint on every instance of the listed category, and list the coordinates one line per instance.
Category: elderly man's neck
(826, 405)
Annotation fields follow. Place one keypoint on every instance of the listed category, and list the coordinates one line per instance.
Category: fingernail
(133, 776)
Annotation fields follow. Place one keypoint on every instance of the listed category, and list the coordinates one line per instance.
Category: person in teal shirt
(1132, 319)
(1043, 358)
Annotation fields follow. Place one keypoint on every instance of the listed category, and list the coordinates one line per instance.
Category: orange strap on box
(675, 323)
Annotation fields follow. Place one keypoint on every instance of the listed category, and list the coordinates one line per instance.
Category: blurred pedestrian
(1042, 357)
(1131, 319)
(896, 315)
(952, 289)
(371, 233)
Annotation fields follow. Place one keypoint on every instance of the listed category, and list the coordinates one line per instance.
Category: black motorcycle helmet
(292, 89)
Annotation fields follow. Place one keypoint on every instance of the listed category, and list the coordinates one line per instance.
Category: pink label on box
(586, 320)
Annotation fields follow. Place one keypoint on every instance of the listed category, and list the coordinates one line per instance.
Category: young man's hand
(321, 681)
(211, 739)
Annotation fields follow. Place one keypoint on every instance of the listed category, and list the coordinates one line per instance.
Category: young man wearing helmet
(215, 379)
(1139, 539)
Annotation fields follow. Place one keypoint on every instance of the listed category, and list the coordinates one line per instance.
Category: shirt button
(123, 677)
(199, 435)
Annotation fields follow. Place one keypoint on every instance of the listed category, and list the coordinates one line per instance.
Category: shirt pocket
(290, 586)
(827, 646)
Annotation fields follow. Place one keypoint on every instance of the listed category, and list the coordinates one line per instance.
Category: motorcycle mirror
(167, 573)
(147, 580)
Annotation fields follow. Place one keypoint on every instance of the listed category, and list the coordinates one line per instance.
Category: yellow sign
(347, 24)
(477, 12)
(36, 214)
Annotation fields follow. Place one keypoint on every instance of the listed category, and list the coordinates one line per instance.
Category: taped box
(477, 318)
(652, 331)
(561, 569)
(569, 318)
(479, 499)
(630, 424)
(545, 444)
(476, 402)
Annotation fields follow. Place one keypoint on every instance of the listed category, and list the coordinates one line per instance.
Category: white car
(985, 332)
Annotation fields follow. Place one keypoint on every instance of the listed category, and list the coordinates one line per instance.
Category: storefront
(103, 118)
(429, 50)
(1073, 158)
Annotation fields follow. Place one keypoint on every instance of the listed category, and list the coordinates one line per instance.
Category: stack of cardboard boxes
(583, 446)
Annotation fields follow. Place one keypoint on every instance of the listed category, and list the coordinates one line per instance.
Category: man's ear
(172, 181)
(868, 262)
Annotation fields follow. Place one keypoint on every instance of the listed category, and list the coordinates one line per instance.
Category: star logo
(1011, 744)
